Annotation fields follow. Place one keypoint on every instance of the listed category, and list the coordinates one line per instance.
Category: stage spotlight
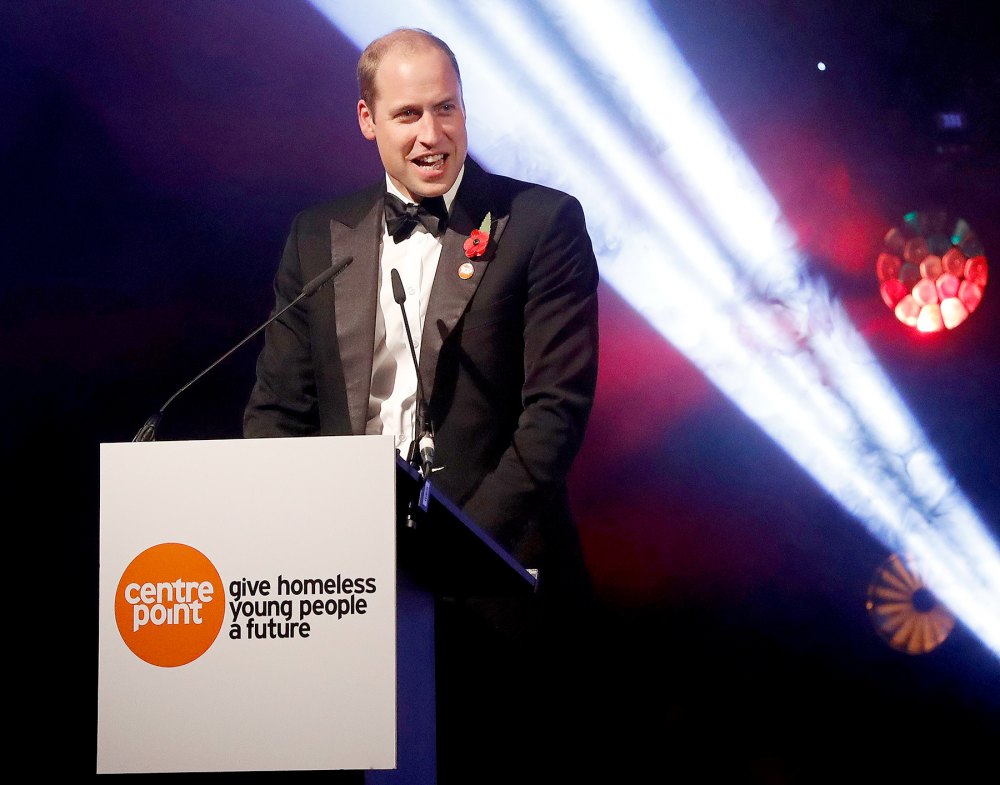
(932, 271)
(600, 103)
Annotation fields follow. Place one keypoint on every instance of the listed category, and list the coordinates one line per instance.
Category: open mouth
(431, 162)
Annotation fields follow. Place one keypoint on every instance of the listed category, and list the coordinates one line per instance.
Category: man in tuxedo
(500, 290)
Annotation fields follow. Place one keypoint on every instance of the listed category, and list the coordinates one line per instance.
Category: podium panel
(247, 605)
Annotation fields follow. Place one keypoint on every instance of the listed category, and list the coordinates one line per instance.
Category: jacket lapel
(357, 297)
(453, 287)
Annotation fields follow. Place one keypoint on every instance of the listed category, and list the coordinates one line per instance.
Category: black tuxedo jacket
(508, 356)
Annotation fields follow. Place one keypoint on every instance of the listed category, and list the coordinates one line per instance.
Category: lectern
(268, 605)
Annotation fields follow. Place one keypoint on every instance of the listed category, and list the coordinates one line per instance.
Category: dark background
(153, 155)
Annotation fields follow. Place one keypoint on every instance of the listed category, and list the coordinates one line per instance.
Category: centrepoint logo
(170, 604)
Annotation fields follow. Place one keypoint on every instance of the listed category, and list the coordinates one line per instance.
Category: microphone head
(321, 280)
(398, 294)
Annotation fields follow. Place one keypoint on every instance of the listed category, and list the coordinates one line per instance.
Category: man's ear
(366, 121)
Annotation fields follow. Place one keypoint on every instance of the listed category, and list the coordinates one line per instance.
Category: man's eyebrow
(416, 106)
(403, 106)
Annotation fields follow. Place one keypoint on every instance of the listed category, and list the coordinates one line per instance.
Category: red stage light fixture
(932, 271)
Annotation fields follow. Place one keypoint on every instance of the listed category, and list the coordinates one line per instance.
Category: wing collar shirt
(392, 404)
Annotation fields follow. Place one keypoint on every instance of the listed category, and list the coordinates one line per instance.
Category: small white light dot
(821, 65)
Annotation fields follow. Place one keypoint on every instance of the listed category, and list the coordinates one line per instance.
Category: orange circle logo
(170, 604)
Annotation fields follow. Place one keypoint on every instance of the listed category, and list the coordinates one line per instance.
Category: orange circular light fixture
(905, 613)
(932, 271)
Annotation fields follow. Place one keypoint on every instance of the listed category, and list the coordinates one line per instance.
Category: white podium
(268, 605)
(297, 623)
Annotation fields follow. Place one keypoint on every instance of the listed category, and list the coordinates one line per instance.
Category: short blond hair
(412, 39)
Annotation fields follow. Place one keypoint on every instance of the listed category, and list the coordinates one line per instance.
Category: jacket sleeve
(560, 376)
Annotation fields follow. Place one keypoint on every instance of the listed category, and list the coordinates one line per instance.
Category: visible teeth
(427, 160)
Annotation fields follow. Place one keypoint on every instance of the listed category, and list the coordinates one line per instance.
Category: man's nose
(429, 129)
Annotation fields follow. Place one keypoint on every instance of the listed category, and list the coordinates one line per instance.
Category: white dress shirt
(392, 403)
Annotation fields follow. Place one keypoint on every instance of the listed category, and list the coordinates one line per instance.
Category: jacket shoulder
(530, 202)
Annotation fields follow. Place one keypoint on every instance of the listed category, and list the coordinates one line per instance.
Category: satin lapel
(356, 297)
(452, 290)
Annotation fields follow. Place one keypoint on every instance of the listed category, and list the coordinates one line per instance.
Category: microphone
(423, 424)
(147, 433)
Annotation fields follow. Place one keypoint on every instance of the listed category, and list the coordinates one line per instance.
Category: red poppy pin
(478, 240)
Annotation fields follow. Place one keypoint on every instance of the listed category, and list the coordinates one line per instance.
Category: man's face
(418, 121)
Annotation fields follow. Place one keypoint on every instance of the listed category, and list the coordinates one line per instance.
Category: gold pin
(466, 271)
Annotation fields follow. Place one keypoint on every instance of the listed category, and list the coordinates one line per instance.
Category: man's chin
(424, 190)
(421, 185)
(438, 183)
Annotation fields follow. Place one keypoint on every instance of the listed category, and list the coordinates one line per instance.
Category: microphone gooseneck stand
(147, 433)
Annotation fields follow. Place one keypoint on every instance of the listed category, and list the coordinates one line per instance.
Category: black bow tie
(402, 218)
